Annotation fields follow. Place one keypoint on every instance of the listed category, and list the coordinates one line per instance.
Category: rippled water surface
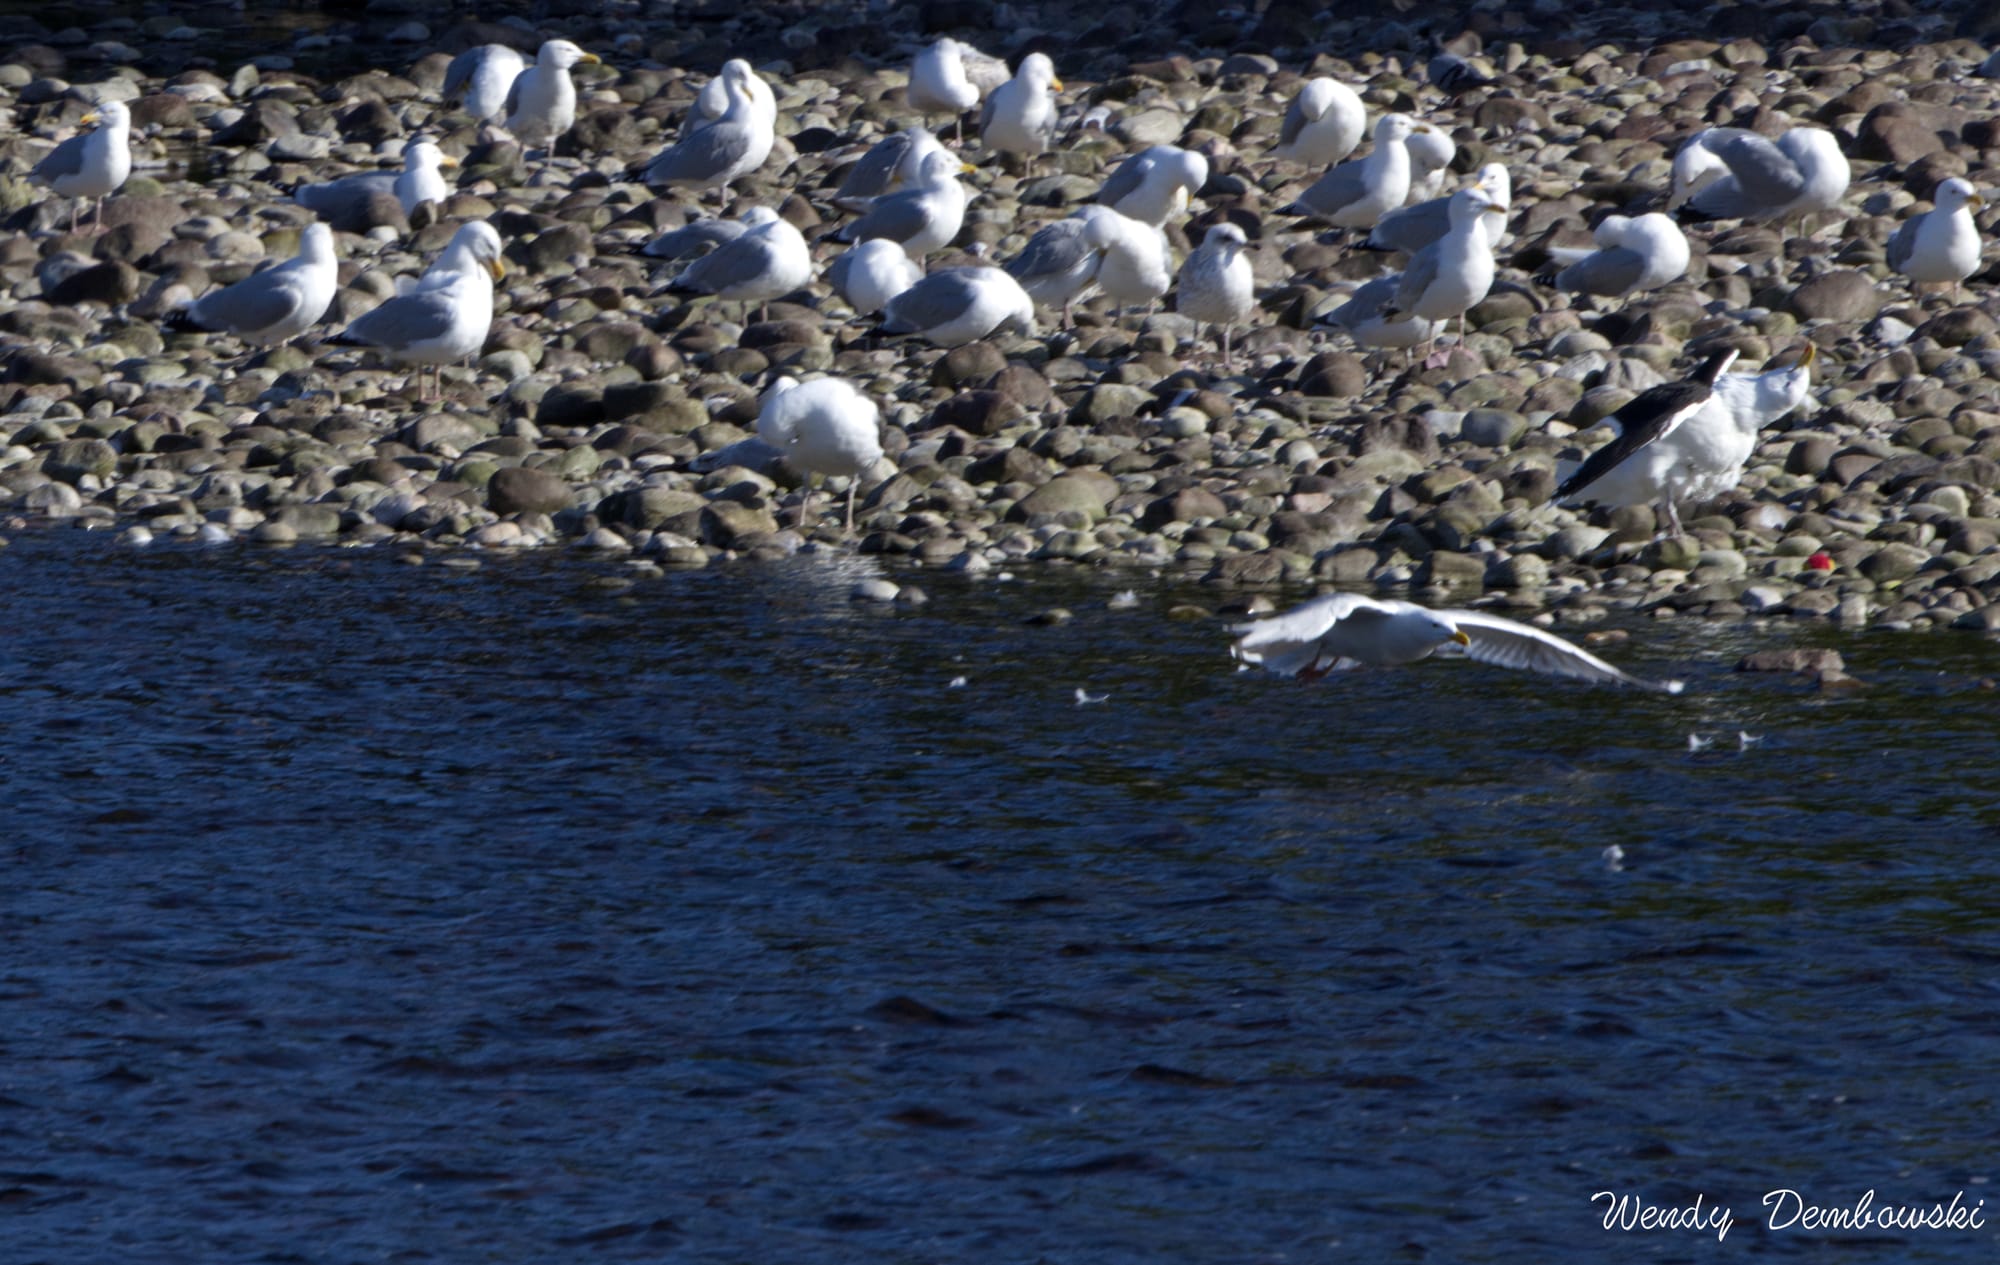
(360, 911)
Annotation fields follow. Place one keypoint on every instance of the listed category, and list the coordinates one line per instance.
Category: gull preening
(1633, 254)
(91, 164)
(1726, 173)
(1135, 267)
(869, 274)
(272, 306)
(1154, 185)
(824, 427)
(1344, 631)
(1942, 244)
(1431, 151)
(484, 75)
(1322, 125)
(948, 77)
(447, 316)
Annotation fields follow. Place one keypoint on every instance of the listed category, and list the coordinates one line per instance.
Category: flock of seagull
(1682, 441)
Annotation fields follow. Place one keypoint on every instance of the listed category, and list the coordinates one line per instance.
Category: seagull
(1942, 244)
(710, 157)
(343, 203)
(1136, 267)
(768, 260)
(824, 427)
(1431, 152)
(1343, 631)
(1216, 284)
(1645, 422)
(712, 102)
(891, 165)
(1061, 260)
(1412, 228)
(272, 306)
(485, 75)
(871, 273)
(1704, 456)
(1726, 173)
(446, 317)
(1633, 255)
(1453, 74)
(1452, 274)
(1359, 192)
(541, 104)
(1322, 125)
(1366, 318)
(939, 83)
(1154, 185)
(694, 239)
(91, 164)
(955, 306)
(919, 219)
(1020, 115)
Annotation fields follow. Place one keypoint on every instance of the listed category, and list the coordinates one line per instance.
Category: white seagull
(1942, 244)
(958, 305)
(541, 105)
(446, 317)
(824, 427)
(1135, 267)
(484, 75)
(91, 164)
(1020, 115)
(1216, 285)
(1633, 254)
(272, 306)
(1343, 631)
(1726, 173)
(712, 155)
(768, 260)
(343, 203)
(920, 219)
(1453, 274)
(1359, 192)
(1061, 260)
(1322, 125)
(1154, 185)
(1412, 228)
(869, 274)
(891, 165)
(939, 83)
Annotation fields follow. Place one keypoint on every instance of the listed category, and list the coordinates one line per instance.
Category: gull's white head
(112, 116)
(1955, 193)
(479, 242)
(1039, 71)
(1391, 128)
(1225, 237)
(561, 55)
(1497, 185)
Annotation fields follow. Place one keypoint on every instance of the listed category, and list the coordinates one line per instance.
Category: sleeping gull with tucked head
(1322, 125)
(824, 427)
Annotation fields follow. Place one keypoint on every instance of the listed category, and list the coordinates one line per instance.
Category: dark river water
(358, 911)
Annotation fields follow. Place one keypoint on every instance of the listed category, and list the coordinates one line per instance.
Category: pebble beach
(605, 414)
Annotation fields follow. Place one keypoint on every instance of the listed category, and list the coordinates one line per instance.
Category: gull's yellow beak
(966, 168)
(591, 59)
(1975, 201)
(1461, 638)
(91, 117)
(447, 161)
(1806, 356)
(498, 268)
(1056, 84)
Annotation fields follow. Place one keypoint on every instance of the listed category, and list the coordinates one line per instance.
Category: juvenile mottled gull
(485, 75)
(871, 273)
(824, 427)
(1061, 260)
(920, 219)
(542, 103)
(1415, 227)
(1633, 255)
(769, 260)
(1359, 192)
(1942, 244)
(1216, 285)
(1726, 173)
(1453, 273)
(1154, 185)
(712, 156)
(957, 305)
(1637, 429)
(91, 164)
(1322, 125)
(272, 306)
(448, 315)
(343, 203)
(1344, 631)
(1020, 115)
(1703, 456)
(892, 164)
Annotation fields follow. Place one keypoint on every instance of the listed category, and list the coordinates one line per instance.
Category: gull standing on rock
(1020, 115)
(768, 261)
(1154, 185)
(712, 102)
(1359, 192)
(343, 203)
(1638, 430)
(1344, 631)
(1322, 125)
(1216, 285)
(954, 306)
(892, 164)
(1726, 173)
(485, 75)
(446, 317)
(871, 273)
(1136, 267)
(1633, 255)
(1415, 227)
(541, 105)
(921, 219)
(1702, 457)
(272, 306)
(712, 156)
(1942, 244)
(939, 83)
(824, 427)
(1451, 275)
(1061, 260)
(91, 164)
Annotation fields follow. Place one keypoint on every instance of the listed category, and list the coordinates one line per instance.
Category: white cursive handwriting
(1788, 1208)
(1629, 1212)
